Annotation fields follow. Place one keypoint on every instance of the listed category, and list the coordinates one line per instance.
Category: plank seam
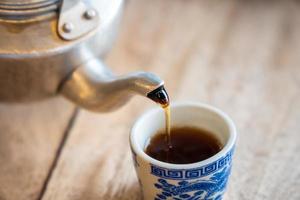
(58, 153)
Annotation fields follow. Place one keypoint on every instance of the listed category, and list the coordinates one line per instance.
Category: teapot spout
(94, 87)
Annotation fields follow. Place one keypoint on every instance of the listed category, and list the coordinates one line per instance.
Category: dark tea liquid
(189, 145)
(179, 145)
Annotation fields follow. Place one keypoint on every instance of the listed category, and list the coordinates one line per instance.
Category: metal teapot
(50, 47)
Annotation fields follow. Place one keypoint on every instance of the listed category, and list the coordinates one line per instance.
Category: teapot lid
(71, 13)
(26, 9)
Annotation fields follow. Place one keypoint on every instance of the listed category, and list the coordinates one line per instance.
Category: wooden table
(241, 56)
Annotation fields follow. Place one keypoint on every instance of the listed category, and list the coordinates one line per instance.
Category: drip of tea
(161, 96)
(189, 145)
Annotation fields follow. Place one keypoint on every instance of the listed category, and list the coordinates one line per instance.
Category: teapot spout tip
(159, 95)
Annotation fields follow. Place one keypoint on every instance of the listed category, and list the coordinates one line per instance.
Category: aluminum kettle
(50, 47)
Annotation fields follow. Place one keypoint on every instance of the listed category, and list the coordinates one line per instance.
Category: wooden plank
(259, 91)
(30, 135)
(235, 55)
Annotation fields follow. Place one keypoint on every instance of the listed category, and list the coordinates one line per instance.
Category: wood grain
(241, 56)
(29, 138)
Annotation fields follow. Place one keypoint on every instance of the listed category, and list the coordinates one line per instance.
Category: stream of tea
(168, 124)
(161, 97)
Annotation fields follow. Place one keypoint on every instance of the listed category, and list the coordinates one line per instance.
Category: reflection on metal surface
(34, 60)
(27, 10)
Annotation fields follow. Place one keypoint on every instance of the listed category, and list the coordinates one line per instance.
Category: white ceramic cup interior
(182, 115)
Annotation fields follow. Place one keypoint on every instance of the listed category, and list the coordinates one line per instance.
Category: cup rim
(227, 147)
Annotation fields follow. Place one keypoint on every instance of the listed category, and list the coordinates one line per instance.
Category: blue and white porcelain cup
(205, 179)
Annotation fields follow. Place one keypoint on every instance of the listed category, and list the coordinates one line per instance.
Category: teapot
(51, 47)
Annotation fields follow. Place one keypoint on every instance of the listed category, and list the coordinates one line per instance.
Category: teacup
(205, 179)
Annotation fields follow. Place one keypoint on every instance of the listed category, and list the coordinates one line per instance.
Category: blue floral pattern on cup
(188, 186)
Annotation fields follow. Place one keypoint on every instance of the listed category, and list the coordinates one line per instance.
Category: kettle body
(51, 47)
(35, 59)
